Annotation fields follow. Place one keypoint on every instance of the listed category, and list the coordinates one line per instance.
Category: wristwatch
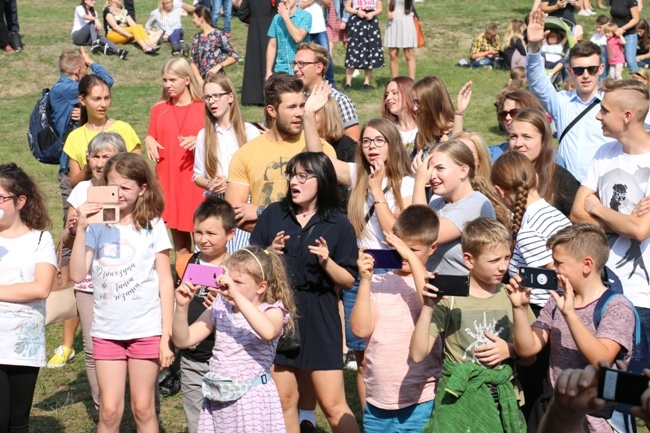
(260, 209)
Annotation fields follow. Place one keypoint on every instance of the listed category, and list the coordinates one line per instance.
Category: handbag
(61, 303)
(154, 35)
(418, 30)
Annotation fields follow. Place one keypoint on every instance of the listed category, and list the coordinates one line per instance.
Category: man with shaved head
(616, 182)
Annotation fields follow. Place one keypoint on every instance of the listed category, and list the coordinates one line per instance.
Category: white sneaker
(583, 13)
(591, 12)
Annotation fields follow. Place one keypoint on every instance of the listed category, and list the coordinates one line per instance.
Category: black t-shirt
(621, 15)
(567, 13)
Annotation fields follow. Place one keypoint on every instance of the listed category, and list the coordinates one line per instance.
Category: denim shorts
(410, 419)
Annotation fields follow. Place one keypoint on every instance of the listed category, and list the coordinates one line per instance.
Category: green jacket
(464, 403)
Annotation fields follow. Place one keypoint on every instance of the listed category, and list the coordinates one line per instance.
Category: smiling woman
(175, 121)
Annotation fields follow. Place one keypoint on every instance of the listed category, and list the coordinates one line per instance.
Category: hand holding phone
(621, 386)
(538, 278)
(450, 285)
(386, 259)
(108, 197)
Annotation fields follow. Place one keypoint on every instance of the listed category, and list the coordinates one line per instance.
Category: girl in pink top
(615, 55)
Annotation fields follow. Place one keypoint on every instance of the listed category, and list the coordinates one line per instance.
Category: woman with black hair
(318, 243)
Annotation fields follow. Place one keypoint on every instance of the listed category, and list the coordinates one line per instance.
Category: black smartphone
(386, 259)
(450, 285)
(538, 278)
(621, 386)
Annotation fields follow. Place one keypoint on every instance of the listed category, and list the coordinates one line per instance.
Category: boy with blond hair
(399, 392)
(477, 391)
(567, 322)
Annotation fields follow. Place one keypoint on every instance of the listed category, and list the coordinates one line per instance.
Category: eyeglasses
(6, 198)
(377, 141)
(302, 177)
(503, 115)
(302, 64)
(579, 70)
(215, 96)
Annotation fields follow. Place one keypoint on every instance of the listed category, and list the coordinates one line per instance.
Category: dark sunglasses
(512, 113)
(579, 70)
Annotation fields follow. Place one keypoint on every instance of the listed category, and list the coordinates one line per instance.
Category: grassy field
(62, 402)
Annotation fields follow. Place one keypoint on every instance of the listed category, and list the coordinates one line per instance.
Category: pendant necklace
(180, 125)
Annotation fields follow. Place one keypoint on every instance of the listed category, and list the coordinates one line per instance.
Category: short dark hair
(417, 223)
(277, 85)
(214, 206)
(320, 165)
(584, 49)
(601, 20)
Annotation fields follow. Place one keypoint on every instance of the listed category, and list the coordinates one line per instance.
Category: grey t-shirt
(448, 258)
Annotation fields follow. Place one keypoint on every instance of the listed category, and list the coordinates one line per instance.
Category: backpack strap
(601, 306)
(595, 102)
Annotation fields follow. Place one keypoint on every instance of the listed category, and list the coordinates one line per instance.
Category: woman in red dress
(174, 123)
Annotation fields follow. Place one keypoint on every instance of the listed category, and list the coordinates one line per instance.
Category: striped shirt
(167, 23)
(540, 222)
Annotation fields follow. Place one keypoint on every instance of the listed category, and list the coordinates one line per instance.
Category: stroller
(564, 27)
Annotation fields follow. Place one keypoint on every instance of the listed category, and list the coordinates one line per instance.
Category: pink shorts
(119, 350)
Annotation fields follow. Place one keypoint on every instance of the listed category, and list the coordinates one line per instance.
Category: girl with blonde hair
(122, 28)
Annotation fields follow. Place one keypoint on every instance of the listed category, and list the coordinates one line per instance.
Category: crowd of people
(295, 221)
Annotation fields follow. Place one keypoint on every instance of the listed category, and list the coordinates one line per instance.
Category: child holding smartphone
(132, 291)
(567, 322)
(398, 391)
(477, 391)
(214, 226)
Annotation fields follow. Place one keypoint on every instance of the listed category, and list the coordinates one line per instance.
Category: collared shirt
(286, 46)
(580, 144)
(302, 266)
(346, 107)
(482, 44)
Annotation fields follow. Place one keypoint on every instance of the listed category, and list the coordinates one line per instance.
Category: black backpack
(44, 142)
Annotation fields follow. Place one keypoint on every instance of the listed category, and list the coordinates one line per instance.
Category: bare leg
(368, 76)
(69, 329)
(410, 61)
(286, 380)
(111, 376)
(394, 61)
(329, 388)
(142, 380)
(348, 76)
(360, 356)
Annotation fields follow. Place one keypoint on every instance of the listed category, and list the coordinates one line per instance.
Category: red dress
(168, 122)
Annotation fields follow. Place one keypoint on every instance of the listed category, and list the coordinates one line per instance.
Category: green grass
(62, 402)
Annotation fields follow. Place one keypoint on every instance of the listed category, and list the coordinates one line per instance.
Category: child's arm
(267, 324)
(336, 272)
(422, 341)
(166, 287)
(418, 270)
(82, 256)
(592, 348)
(622, 39)
(296, 33)
(183, 335)
(362, 320)
(528, 340)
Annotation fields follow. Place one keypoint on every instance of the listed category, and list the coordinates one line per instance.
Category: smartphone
(621, 386)
(386, 259)
(450, 285)
(108, 197)
(202, 275)
(538, 278)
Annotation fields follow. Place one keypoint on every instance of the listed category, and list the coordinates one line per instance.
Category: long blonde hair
(515, 30)
(179, 67)
(484, 160)
(330, 124)
(397, 167)
(211, 136)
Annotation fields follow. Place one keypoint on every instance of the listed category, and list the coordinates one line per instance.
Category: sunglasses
(503, 115)
(579, 70)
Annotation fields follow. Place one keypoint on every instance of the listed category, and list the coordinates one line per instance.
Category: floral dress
(210, 50)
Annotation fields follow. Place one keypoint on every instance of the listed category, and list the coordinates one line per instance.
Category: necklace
(305, 214)
(180, 125)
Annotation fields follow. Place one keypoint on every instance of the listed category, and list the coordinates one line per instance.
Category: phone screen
(386, 259)
(451, 285)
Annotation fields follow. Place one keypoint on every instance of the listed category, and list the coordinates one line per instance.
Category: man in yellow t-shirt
(257, 169)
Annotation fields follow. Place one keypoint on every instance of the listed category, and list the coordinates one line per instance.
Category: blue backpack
(44, 142)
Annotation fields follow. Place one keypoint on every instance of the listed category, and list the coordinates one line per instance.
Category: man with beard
(258, 167)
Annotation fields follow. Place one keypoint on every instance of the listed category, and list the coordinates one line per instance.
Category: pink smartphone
(108, 197)
(202, 275)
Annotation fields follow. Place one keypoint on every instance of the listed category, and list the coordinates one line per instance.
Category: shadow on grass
(45, 424)
(77, 391)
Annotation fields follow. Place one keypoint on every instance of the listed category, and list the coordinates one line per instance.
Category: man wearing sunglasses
(258, 168)
(309, 66)
(579, 132)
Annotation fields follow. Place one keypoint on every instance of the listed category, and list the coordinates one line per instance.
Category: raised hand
(536, 33)
(518, 294)
(366, 265)
(184, 293)
(320, 250)
(279, 241)
(464, 97)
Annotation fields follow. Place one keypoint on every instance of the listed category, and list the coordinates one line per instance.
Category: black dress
(258, 14)
(319, 323)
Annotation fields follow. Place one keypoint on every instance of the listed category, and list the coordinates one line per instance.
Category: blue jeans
(410, 419)
(480, 62)
(630, 51)
(321, 39)
(227, 12)
(175, 39)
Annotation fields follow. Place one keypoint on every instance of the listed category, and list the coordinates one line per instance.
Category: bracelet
(381, 202)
